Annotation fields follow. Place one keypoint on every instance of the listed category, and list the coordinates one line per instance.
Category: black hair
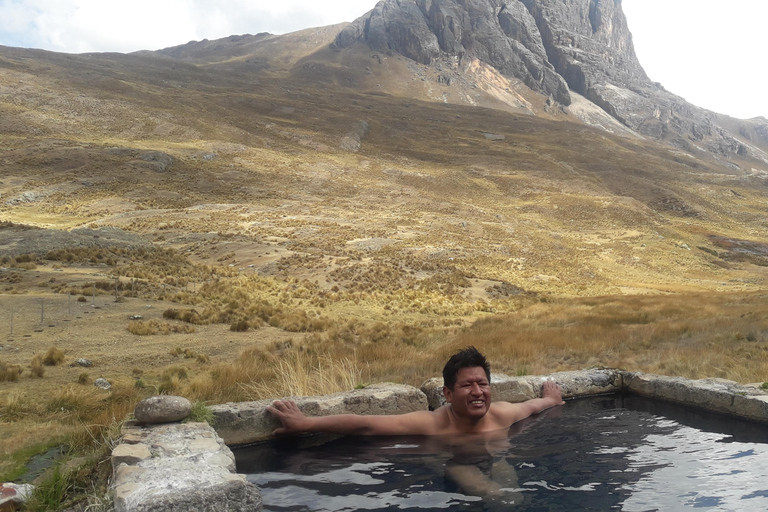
(470, 357)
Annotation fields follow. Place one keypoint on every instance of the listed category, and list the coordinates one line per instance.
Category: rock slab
(162, 409)
(519, 389)
(718, 395)
(176, 467)
(248, 422)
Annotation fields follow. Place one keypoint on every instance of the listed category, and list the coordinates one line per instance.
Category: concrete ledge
(249, 422)
(718, 395)
(175, 467)
(520, 389)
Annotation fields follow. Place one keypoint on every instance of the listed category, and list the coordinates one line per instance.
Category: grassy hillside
(285, 221)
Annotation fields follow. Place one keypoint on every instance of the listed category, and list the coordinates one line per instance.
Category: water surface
(606, 453)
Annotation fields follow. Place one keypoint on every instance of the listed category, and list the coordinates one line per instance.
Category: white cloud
(77, 26)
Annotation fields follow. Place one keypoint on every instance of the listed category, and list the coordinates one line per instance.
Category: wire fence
(24, 314)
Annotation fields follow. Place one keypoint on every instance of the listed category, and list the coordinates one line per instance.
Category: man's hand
(290, 416)
(552, 391)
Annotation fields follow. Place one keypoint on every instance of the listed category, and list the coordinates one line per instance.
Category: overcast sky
(699, 49)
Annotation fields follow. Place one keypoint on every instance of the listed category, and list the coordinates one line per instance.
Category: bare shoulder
(507, 413)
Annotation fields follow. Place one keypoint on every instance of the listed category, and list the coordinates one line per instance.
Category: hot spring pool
(606, 453)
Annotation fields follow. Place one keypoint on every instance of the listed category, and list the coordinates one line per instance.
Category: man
(467, 389)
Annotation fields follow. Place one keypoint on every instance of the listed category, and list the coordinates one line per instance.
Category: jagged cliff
(555, 47)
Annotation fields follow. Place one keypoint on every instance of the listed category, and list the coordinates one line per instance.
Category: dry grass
(10, 372)
(152, 327)
(299, 374)
(381, 263)
(53, 357)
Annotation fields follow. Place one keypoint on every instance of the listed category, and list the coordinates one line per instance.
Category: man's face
(471, 396)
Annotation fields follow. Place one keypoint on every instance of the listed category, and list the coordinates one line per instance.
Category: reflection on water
(608, 453)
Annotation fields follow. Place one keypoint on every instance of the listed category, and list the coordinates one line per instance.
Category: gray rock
(718, 395)
(102, 383)
(519, 389)
(162, 409)
(353, 140)
(83, 363)
(248, 422)
(13, 495)
(502, 34)
(556, 47)
(188, 468)
(157, 160)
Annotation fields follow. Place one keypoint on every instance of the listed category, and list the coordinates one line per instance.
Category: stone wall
(188, 466)
(249, 422)
(178, 467)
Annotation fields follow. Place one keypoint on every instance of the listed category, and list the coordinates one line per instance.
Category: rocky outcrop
(178, 467)
(500, 33)
(554, 47)
(248, 422)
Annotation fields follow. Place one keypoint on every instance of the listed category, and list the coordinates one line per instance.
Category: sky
(707, 51)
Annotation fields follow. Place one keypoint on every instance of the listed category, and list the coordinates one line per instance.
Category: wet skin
(469, 411)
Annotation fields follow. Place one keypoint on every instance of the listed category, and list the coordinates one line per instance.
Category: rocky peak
(555, 47)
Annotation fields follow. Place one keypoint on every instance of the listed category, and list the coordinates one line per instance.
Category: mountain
(556, 48)
(506, 146)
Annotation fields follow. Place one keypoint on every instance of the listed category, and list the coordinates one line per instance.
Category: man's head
(468, 358)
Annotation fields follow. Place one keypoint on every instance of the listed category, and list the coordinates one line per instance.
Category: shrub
(171, 379)
(53, 357)
(15, 407)
(148, 328)
(36, 367)
(82, 299)
(240, 326)
(84, 378)
(10, 372)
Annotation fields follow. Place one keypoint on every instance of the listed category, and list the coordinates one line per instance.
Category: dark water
(607, 453)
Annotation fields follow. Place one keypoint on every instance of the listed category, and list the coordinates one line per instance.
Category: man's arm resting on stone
(550, 397)
(294, 422)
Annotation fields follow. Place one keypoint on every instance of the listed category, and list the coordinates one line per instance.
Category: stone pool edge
(168, 467)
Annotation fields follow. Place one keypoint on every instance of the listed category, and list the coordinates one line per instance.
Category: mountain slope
(556, 48)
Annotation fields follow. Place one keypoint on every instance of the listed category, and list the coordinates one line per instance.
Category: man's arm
(550, 397)
(294, 422)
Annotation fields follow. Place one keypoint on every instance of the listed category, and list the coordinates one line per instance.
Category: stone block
(129, 454)
(248, 422)
(717, 395)
(189, 467)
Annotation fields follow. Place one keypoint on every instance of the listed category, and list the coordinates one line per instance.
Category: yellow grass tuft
(10, 372)
(53, 357)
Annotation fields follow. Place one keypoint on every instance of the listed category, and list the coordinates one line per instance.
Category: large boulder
(248, 422)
